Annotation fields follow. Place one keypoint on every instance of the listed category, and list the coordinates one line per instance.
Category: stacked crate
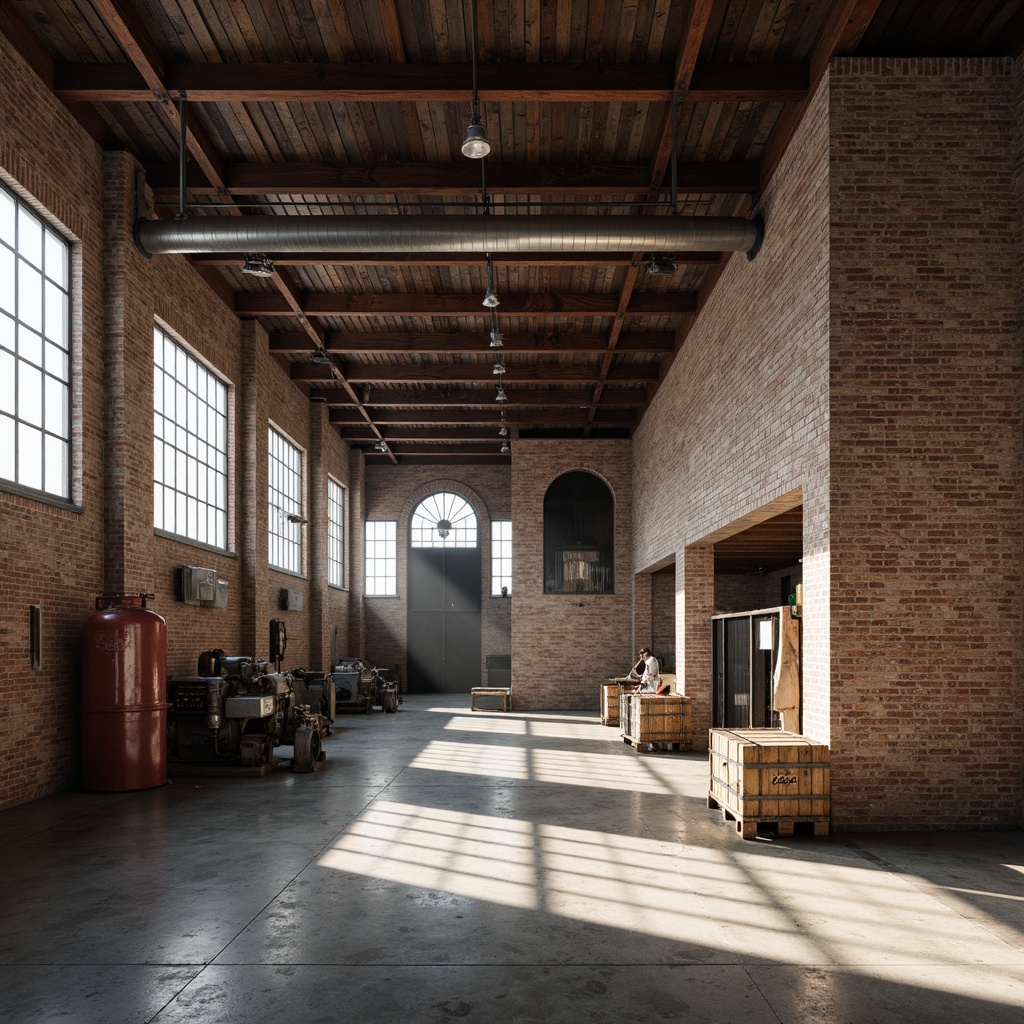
(611, 692)
(664, 722)
(769, 776)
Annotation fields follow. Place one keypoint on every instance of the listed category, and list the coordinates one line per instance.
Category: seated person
(650, 677)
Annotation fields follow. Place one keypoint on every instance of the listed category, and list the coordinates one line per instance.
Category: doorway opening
(444, 588)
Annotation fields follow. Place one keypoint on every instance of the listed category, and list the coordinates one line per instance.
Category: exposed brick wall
(64, 557)
(741, 421)
(52, 556)
(926, 378)
(393, 493)
(564, 644)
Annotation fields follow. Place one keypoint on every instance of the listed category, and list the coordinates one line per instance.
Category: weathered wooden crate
(611, 691)
(769, 776)
(663, 721)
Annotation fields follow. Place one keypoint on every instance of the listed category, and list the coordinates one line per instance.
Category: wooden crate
(769, 776)
(663, 721)
(611, 691)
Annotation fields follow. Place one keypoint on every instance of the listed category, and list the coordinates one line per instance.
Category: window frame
(389, 555)
(501, 557)
(46, 353)
(289, 509)
(336, 534)
(188, 442)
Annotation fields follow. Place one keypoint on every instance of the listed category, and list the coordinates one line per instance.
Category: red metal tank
(124, 695)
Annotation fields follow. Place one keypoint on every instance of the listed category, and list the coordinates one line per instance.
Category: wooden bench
(489, 695)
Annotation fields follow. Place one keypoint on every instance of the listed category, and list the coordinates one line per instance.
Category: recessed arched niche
(579, 535)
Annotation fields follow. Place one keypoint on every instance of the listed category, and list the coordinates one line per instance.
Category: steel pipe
(514, 233)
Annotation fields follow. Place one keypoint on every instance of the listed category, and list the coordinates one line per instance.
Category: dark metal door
(737, 674)
(444, 619)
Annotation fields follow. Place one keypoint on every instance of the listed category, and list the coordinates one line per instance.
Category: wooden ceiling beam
(460, 416)
(603, 179)
(471, 373)
(339, 343)
(482, 398)
(406, 83)
(521, 305)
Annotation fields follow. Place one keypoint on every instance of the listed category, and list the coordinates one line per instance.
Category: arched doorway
(444, 596)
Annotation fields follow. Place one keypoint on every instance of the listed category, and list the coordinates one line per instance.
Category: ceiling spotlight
(319, 355)
(660, 265)
(258, 264)
(491, 300)
(505, 449)
(476, 146)
(498, 367)
(381, 445)
(500, 397)
(503, 432)
(497, 338)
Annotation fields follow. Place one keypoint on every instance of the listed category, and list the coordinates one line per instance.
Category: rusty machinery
(236, 711)
(361, 688)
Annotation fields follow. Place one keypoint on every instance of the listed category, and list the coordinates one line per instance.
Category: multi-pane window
(285, 498)
(381, 557)
(190, 445)
(335, 533)
(501, 557)
(443, 520)
(35, 350)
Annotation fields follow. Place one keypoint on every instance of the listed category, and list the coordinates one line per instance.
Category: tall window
(190, 445)
(501, 557)
(381, 557)
(35, 350)
(579, 536)
(285, 498)
(335, 533)
(443, 520)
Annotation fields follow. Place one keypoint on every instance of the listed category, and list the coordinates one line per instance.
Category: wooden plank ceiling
(316, 107)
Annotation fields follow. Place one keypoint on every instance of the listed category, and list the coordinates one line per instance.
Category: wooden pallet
(748, 827)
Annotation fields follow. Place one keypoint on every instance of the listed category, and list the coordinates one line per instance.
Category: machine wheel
(308, 749)
(254, 751)
(389, 701)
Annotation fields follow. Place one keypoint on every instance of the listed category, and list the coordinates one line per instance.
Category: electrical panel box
(196, 585)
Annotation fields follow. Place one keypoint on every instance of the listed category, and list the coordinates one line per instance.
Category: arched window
(443, 520)
(579, 536)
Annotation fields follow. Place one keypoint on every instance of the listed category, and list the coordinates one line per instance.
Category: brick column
(316, 536)
(253, 426)
(356, 563)
(695, 604)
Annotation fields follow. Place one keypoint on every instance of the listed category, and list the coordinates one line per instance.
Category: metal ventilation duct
(515, 233)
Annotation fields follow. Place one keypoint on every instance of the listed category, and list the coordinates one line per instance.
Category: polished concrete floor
(486, 867)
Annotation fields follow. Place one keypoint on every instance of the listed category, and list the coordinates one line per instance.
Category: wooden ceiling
(317, 107)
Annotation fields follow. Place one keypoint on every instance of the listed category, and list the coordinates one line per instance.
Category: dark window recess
(579, 536)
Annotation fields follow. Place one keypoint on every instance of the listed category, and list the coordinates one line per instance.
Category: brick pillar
(316, 535)
(695, 604)
(643, 610)
(357, 564)
(252, 449)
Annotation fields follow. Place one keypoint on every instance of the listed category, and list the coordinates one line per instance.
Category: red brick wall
(61, 558)
(741, 422)
(393, 492)
(563, 644)
(52, 556)
(926, 380)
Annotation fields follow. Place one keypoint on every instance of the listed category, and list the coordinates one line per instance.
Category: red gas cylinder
(124, 695)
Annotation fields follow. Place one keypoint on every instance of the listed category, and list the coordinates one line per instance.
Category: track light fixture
(505, 448)
(381, 445)
(491, 298)
(476, 146)
(498, 366)
(258, 264)
(500, 397)
(503, 432)
(497, 338)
